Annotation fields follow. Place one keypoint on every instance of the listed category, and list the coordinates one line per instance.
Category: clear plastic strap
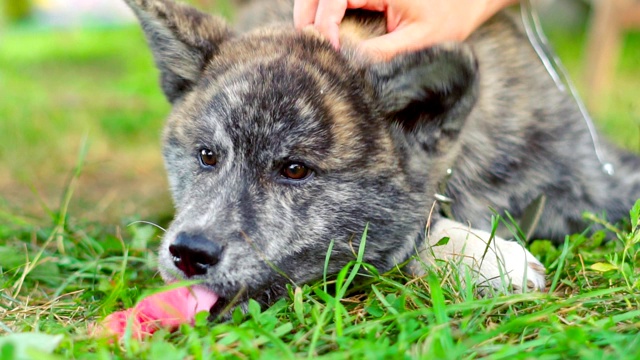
(558, 73)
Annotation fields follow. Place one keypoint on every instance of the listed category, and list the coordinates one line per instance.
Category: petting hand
(411, 24)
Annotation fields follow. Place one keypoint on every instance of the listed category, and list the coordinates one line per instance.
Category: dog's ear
(429, 93)
(182, 40)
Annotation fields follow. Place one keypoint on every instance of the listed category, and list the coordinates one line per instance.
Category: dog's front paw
(496, 263)
(507, 263)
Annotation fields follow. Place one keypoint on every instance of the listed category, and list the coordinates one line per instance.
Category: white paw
(509, 266)
(497, 263)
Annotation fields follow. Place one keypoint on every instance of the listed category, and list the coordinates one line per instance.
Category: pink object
(167, 309)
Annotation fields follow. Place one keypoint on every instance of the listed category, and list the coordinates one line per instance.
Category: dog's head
(278, 144)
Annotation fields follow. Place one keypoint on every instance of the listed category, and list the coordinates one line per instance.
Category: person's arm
(411, 24)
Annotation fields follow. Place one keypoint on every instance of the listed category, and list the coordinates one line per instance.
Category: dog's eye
(208, 158)
(295, 171)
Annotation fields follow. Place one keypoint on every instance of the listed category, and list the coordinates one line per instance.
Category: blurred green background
(91, 76)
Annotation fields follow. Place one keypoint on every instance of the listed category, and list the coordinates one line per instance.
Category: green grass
(69, 256)
(75, 274)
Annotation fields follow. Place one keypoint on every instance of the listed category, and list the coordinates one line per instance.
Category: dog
(279, 148)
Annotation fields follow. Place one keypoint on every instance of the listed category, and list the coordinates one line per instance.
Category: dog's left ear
(429, 93)
(182, 40)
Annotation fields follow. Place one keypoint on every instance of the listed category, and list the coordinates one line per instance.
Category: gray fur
(379, 137)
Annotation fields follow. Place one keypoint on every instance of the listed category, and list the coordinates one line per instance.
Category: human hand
(411, 24)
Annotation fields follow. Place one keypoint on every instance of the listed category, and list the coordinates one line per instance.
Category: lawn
(80, 120)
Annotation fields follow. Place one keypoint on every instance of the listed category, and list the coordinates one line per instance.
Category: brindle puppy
(278, 144)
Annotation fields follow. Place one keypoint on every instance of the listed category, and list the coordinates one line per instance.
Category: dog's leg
(496, 262)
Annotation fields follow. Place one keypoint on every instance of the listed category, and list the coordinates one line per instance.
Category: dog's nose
(194, 254)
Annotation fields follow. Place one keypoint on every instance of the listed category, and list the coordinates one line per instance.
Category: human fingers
(373, 5)
(329, 14)
(304, 13)
(410, 37)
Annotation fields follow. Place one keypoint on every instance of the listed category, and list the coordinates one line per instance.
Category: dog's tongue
(167, 309)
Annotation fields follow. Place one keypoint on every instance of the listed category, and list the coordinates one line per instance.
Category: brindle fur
(379, 136)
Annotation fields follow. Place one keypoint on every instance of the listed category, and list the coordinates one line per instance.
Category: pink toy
(167, 309)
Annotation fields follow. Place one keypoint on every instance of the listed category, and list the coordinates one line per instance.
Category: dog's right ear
(182, 40)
